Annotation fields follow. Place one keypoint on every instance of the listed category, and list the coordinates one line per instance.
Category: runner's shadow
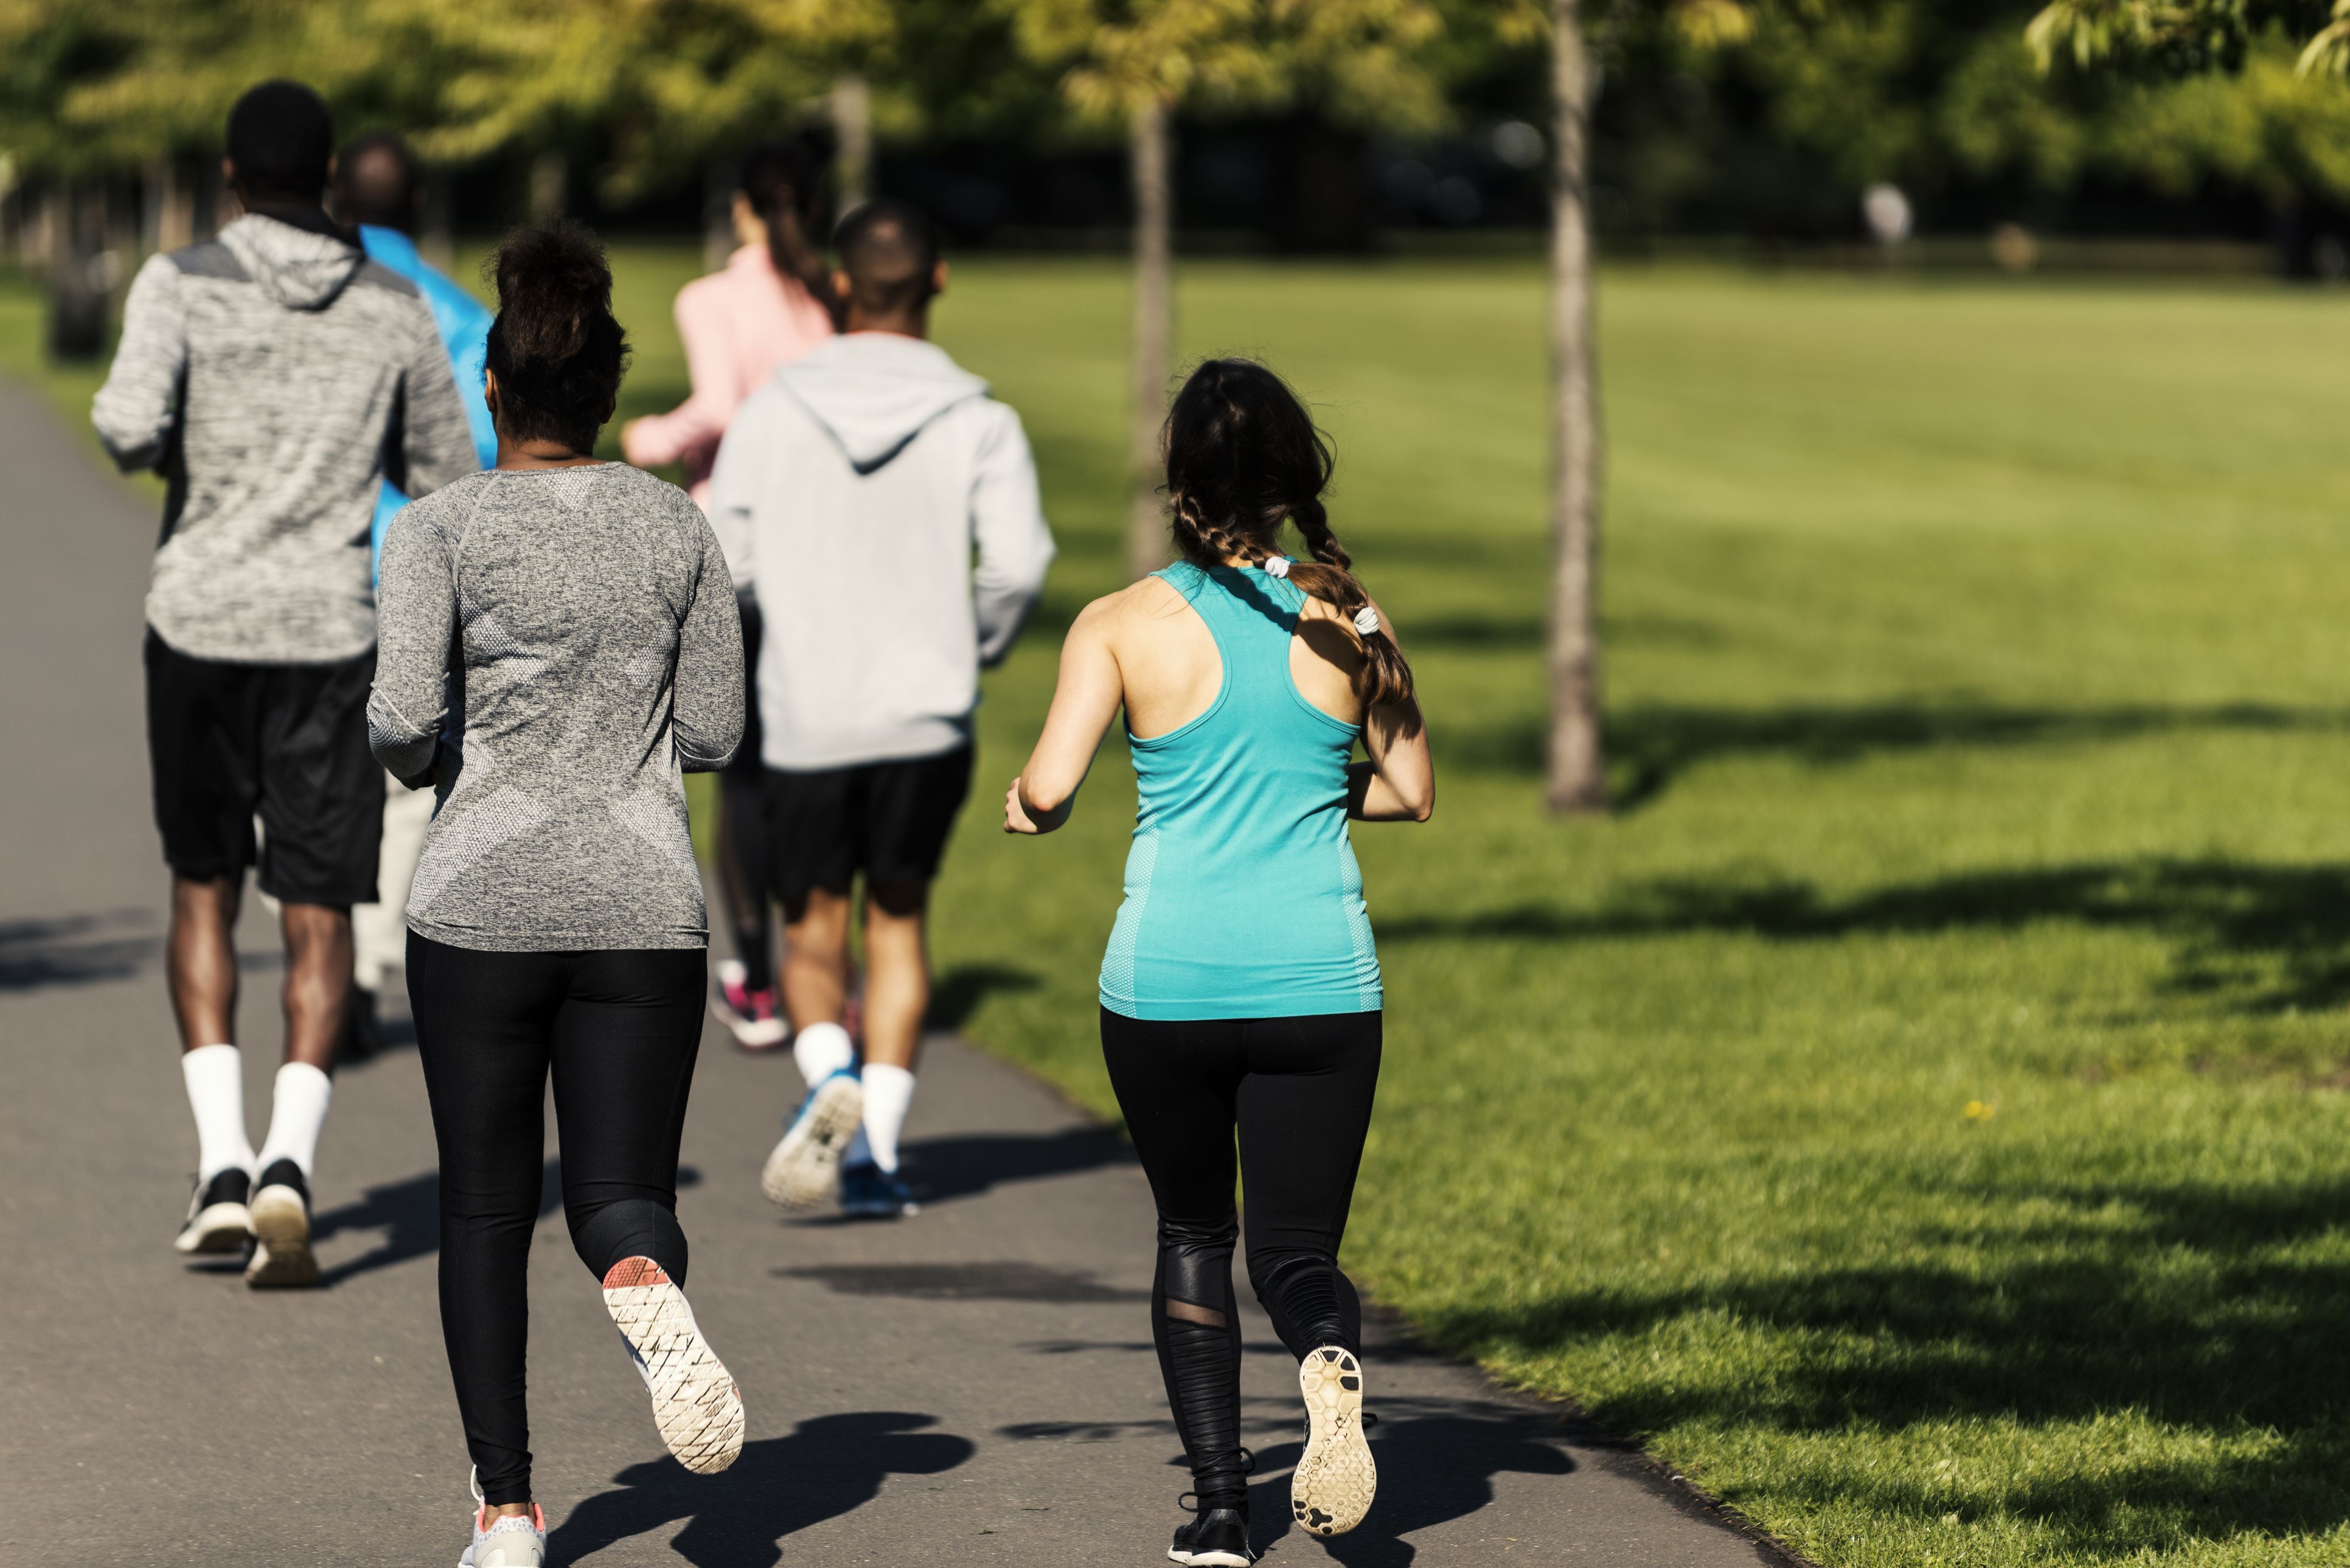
(942, 1168)
(79, 950)
(829, 1466)
(1437, 1460)
(408, 1212)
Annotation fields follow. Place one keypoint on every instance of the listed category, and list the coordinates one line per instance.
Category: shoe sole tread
(696, 1405)
(805, 1166)
(1331, 1489)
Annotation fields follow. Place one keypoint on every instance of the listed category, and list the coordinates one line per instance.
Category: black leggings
(1299, 1091)
(620, 1029)
(743, 857)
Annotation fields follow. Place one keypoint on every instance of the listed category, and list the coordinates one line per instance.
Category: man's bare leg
(200, 965)
(897, 996)
(315, 997)
(801, 1169)
(201, 959)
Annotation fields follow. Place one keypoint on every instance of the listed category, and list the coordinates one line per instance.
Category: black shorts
(888, 820)
(287, 742)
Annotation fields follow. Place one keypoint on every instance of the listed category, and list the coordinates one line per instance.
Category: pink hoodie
(740, 324)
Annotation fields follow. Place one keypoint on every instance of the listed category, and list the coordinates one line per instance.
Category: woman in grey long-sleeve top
(557, 645)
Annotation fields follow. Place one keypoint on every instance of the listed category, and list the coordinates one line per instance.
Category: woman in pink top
(771, 304)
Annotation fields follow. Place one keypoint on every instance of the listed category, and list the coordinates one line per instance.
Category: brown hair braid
(1242, 458)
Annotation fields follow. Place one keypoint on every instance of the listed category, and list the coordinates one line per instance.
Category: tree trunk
(547, 178)
(437, 242)
(1154, 337)
(1576, 774)
(852, 130)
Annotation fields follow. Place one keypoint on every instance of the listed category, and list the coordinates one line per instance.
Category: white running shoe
(1331, 1489)
(696, 1405)
(802, 1168)
(505, 1540)
(218, 1218)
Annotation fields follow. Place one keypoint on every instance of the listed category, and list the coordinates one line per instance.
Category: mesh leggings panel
(1201, 1363)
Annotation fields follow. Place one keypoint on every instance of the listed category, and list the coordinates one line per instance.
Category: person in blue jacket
(376, 188)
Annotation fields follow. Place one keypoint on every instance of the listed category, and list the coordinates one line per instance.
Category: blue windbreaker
(465, 325)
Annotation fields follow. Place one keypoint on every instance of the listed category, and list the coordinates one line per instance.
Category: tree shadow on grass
(2250, 938)
(957, 993)
(1652, 746)
(2216, 1312)
(828, 1465)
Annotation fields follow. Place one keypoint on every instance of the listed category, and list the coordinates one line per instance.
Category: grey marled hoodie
(557, 645)
(275, 375)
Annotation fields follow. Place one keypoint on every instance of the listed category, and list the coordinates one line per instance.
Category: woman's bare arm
(1085, 700)
(1399, 782)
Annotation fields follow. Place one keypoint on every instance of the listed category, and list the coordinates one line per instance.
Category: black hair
(889, 250)
(783, 183)
(1243, 458)
(554, 347)
(375, 181)
(281, 139)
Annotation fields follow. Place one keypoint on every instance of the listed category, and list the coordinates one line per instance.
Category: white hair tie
(1276, 565)
(1367, 620)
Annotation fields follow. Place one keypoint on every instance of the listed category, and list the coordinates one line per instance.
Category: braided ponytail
(1242, 458)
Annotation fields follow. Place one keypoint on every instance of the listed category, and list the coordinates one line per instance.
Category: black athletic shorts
(287, 742)
(888, 820)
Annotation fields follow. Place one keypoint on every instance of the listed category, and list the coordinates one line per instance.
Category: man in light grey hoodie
(850, 494)
(276, 377)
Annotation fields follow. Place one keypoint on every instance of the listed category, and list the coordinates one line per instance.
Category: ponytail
(1243, 457)
(779, 178)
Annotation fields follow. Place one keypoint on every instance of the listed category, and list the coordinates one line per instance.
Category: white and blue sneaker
(505, 1540)
(869, 1192)
(799, 1172)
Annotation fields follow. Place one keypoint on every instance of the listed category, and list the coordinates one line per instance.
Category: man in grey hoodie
(276, 377)
(850, 493)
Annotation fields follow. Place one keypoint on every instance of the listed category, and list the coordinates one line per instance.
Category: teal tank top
(1242, 897)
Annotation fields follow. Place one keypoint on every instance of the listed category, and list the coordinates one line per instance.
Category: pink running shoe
(755, 1018)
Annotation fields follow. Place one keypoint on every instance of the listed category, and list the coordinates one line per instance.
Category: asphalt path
(974, 1386)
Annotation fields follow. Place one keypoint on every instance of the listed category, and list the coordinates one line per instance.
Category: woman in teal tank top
(1240, 1002)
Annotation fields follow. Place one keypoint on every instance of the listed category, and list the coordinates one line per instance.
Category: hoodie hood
(874, 391)
(298, 268)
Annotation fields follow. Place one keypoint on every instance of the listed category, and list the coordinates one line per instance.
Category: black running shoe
(1218, 1537)
(218, 1220)
(281, 1224)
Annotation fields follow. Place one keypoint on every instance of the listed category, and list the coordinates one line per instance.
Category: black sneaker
(218, 1220)
(1216, 1538)
(281, 1224)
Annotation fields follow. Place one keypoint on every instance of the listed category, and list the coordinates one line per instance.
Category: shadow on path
(940, 1169)
(408, 1212)
(828, 1465)
(1005, 1282)
(1437, 1460)
(77, 949)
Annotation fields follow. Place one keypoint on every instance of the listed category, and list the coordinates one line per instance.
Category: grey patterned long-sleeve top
(556, 648)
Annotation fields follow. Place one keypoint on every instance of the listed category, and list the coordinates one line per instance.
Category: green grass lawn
(1914, 1114)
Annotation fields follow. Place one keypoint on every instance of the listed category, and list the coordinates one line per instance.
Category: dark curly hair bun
(555, 350)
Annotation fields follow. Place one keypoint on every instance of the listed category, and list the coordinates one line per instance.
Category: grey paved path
(974, 1387)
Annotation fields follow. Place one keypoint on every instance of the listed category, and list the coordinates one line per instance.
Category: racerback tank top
(1242, 897)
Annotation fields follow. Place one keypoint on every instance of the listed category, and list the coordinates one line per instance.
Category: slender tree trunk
(548, 176)
(1154, 337)
(1576, 771)
(437, 242)
(852, 130)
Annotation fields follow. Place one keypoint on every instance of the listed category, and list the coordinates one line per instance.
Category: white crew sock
(887, 1092)
(821, 1050)
(216, 1076)
(296, 1112)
